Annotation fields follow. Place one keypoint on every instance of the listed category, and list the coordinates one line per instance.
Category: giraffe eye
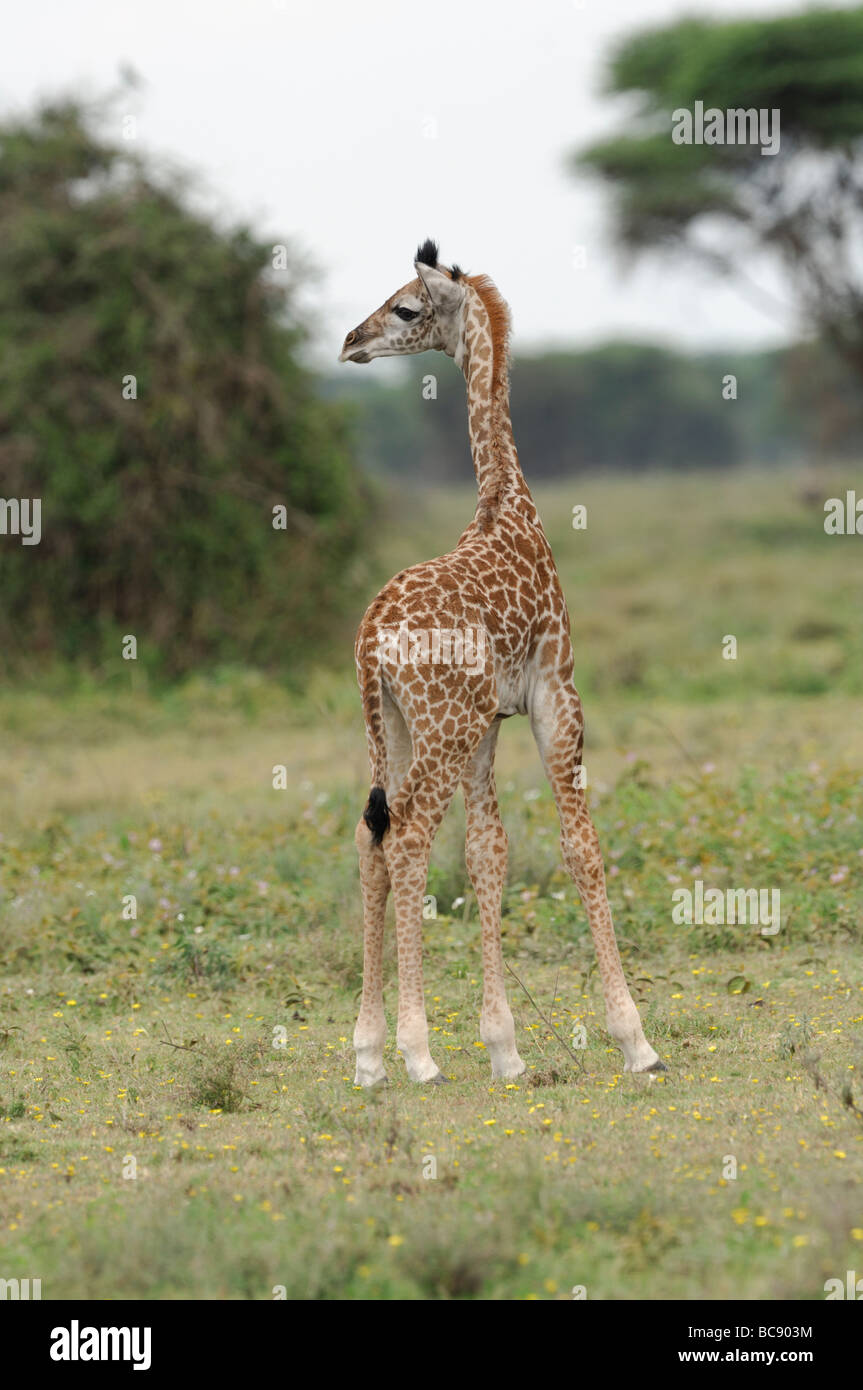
(406, 314)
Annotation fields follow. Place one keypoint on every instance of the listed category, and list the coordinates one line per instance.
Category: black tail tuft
(377, 814)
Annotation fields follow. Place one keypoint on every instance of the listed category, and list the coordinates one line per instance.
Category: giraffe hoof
(655, 1069)
(371, 1083)
(440, 1080)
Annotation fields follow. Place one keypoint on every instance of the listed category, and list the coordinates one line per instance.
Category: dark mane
(499, 323)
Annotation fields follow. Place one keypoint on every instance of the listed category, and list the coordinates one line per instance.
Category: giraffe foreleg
(557, 722)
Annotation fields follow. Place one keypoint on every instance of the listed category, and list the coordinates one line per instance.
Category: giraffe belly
(511, 694)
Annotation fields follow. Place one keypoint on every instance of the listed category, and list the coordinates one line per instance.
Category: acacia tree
(724, 202)
(153, 398)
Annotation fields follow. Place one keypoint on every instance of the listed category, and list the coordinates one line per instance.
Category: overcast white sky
(357, 129)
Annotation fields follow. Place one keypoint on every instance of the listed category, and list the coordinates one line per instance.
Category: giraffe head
(423, 314)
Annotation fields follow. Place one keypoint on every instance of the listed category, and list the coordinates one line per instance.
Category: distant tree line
(621, 406)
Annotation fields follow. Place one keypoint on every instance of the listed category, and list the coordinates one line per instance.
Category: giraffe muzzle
(352, 350)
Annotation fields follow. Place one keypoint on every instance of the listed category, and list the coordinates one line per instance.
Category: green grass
(204, 1045)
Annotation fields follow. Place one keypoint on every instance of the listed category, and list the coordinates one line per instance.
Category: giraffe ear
(444, 293)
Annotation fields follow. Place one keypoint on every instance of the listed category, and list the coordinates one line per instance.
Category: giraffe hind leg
(486, 857)
(415, 815)
(370, 1031)
(371, 1028)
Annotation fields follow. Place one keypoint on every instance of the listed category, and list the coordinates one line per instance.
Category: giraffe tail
(377, 812)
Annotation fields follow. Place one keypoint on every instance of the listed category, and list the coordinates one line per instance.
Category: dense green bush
(157, 511)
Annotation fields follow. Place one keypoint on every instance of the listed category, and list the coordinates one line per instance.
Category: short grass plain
(177, 1111)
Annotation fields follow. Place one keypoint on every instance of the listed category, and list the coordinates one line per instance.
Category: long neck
(495, 461)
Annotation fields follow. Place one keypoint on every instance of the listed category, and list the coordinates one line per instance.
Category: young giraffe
(430, 726)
